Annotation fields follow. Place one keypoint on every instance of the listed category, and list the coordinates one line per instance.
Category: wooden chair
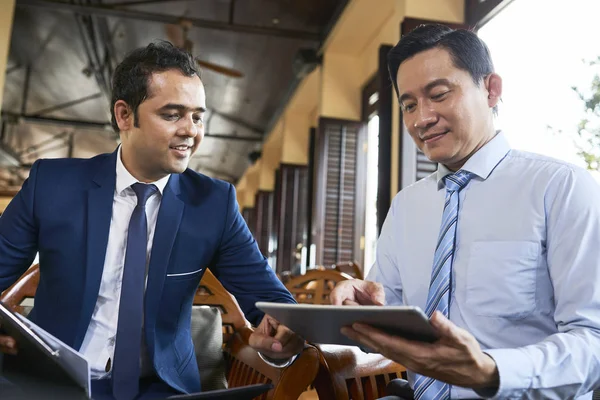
(346, 372)
(349, 267)
(285, 276)
(244, 365)
(19, 297)
(211, 293)
(315, 286)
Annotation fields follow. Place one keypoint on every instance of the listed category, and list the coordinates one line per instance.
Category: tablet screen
(322, 323)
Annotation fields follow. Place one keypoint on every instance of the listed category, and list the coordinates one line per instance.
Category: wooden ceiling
(62, 55)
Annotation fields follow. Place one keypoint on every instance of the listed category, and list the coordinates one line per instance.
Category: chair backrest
(315, 286)
(349, 267)
(346, 372)
(211, 293)
(22, 291)
(285, 276)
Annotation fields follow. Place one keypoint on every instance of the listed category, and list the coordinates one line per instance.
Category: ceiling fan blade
(233, 73)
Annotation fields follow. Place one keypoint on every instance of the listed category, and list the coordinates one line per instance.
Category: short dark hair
(467, 50)
(131, 77)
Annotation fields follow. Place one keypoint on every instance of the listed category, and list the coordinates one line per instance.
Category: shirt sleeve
(566, 364)
(385, 269)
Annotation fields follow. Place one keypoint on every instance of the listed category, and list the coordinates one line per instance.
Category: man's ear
(123, 115)
(493, 85)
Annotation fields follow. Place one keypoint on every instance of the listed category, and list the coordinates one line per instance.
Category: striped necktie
(441, 277)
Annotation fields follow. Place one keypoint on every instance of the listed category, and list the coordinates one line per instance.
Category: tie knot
(143, 192)
(458, 180)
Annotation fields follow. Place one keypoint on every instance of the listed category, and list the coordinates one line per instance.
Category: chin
(434, 156)
(439, 155)
(177, 168)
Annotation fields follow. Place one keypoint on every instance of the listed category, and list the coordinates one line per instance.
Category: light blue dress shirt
(526, 271)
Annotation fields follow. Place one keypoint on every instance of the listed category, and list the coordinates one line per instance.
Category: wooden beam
(478, 12)
(108, 11)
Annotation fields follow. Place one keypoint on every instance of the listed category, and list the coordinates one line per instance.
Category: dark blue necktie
(126, 361)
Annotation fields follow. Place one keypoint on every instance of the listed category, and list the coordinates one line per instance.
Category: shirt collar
(125, 179)
(483, 162)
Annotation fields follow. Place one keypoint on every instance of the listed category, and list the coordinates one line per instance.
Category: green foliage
(589, 127)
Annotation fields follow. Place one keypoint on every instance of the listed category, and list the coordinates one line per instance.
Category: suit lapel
(99, 213)
(167, 226)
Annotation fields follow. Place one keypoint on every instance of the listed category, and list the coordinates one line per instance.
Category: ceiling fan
(178, 35)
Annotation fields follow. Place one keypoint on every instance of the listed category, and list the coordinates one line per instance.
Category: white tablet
(322, 323)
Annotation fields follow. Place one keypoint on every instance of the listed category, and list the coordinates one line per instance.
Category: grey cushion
(207, 335)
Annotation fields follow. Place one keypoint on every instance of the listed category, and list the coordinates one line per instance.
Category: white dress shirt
(99, 343)
(526, 270)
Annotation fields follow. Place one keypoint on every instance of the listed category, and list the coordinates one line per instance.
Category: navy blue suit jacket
(64, 210)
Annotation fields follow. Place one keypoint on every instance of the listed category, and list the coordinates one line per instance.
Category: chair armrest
(348, 372)
(24, 288)
(245, 367)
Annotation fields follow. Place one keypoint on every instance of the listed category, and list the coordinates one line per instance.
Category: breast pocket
(184, 275)
(501, 278)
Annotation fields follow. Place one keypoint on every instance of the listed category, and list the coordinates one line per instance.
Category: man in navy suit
(124, 239)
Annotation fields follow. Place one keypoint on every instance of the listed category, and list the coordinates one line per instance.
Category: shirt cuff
(515, 369)
(277, 363)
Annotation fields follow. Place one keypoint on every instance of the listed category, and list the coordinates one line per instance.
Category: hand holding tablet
(323, 323)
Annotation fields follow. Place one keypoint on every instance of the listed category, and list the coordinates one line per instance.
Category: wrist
(489, 376)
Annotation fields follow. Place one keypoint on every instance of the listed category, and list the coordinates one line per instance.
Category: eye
(440, 96)
(408, 107)
(198, 119)
(170, 117)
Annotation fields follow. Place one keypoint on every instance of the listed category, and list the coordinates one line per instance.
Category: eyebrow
(428, 87)
(181, 107)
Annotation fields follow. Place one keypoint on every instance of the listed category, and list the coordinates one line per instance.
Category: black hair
(467, 50)
(131, 77)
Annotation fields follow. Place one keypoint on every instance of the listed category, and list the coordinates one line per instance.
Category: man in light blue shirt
(501, 246)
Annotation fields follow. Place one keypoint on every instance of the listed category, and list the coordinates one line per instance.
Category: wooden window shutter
(292, 225)
(264, 220)
(248, 214)
(336, 191)
(424, 166)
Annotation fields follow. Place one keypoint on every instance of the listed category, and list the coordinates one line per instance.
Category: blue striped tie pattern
(441, 276)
